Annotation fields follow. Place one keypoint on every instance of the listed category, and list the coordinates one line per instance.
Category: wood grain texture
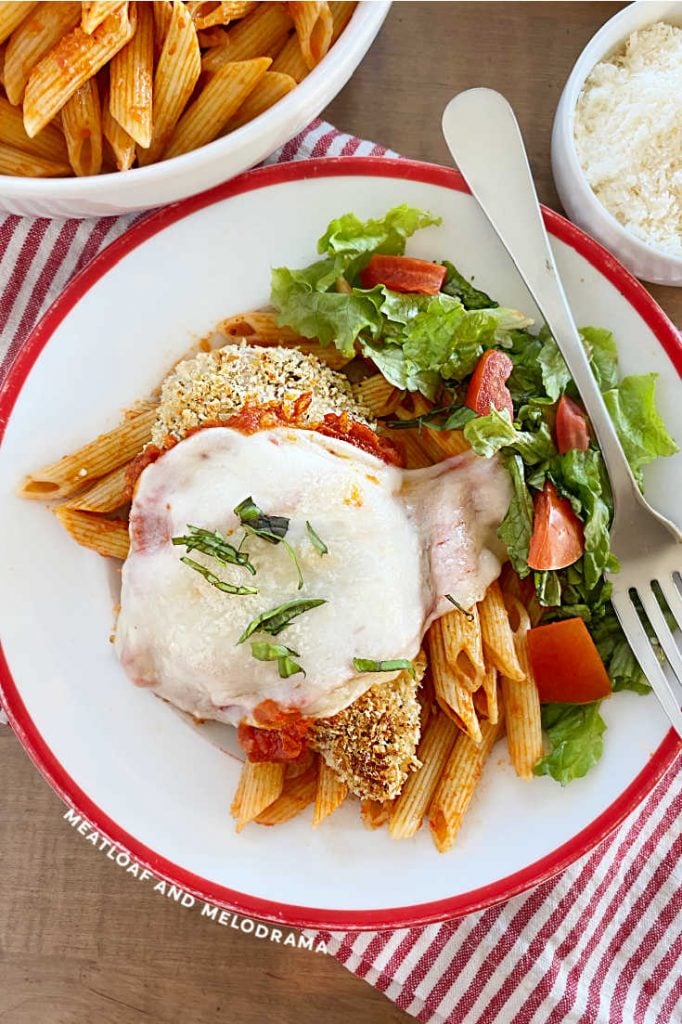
(80, 940)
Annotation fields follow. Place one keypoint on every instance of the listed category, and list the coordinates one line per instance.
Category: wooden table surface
(81, 941)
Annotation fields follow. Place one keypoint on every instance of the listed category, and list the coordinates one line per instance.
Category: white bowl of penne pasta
(110, 107)
(367, 835)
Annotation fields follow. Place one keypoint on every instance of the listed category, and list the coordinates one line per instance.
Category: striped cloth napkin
(600, 943)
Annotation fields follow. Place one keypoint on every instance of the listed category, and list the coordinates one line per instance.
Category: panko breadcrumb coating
(372, 744)
(215, 385)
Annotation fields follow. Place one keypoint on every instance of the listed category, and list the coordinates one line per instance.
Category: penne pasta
(342, 12)
(330, 794)
(453, 691)
(314, 26)
(221, 14)
(95, 459)
(107, 537)
(297, 794)
(408, 442)
(485, 698)
(209, 37)
(261, 33)
(260, 784)
(122, 145)
(378, 394)
(107, 494)
(258, 324)
(260, 327)
(498, 639)
(131, 73)
(76, 58)
(218, 101)
(95, 12)
(162, 11)
(268, 91)
(36, 35)
(176, 75)
(463, 644)
(290, 60)
(438, 444)
(415, 797)
(18, 161)
(375, 813)
(82, 127)
(522, 702)
(48, 144)
(12, 15)
(457, 784)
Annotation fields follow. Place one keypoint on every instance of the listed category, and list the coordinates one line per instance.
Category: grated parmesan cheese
(628, 133)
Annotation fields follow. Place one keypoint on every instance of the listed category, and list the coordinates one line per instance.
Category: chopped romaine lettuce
(575, 733)
(641, 430)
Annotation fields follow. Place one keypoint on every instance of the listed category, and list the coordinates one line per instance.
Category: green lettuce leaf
(602, 352)
(331, 317)
(638, 424)
(460, 288)
(548, 588)
(352, 237)
(490, 434)
(517, 526)
(555, 375)
(616, 653)
(390, 359)
(526, 380)
(575, 734)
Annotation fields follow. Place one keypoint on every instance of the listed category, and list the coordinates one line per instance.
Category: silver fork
(485, 140)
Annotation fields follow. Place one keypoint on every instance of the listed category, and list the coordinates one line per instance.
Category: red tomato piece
(570, 425)
(487, 387)
(403, 274)
(566, 664)
(557, 539)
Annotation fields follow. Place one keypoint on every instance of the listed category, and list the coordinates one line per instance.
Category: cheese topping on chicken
(397, 542)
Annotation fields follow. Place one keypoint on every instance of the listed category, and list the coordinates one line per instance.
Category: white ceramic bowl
(578, 199)
(161, 183)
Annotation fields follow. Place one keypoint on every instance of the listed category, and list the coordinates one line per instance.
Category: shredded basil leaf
(270, 528)
(277, 619)
(316, 540)
(227, 588)
(468, 615)
(211, 542)
(283, 655)
(369, 665)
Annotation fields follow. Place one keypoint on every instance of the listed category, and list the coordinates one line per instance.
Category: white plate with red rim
(161, 788)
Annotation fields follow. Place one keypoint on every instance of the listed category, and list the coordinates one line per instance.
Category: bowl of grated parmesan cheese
(617, 140)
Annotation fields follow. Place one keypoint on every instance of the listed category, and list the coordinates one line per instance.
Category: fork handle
(485, 140)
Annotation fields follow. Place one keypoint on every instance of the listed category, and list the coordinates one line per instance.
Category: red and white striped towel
(603, 941)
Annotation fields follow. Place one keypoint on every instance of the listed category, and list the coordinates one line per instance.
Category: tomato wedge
(570, 425)
(566, 664)
(557, 539)
(403, 274)
(487, 388)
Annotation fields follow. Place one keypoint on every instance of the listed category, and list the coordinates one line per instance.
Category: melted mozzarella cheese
(398, 541)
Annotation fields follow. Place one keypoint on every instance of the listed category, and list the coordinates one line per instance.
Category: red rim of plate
(298, 916)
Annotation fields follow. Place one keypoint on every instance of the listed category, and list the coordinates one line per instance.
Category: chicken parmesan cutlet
(284, 567)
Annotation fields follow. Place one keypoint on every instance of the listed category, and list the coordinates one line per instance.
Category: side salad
(429, 330)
